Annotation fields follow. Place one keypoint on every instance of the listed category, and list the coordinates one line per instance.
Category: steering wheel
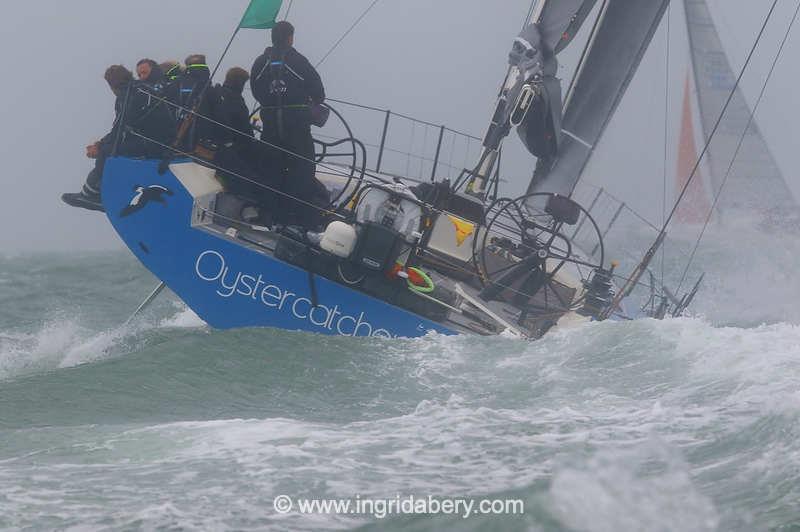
(526, 244)
(349, 148)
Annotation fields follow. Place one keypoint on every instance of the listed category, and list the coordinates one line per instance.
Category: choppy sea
(681, 425)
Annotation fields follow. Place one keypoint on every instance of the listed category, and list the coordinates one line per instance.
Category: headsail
(696, 202)
(755, 183)
(616, 47)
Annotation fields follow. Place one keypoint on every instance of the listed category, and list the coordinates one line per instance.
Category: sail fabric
(621, 37)
(696, 203)
(261, 14)
(755, 183)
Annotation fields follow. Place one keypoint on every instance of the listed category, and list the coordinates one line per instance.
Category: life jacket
(147, 123)
(173, 73)
(286, 95)
(191, 86)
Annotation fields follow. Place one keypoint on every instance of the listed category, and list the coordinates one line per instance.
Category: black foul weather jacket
(232, 111)
(136, 111)
(185, 93)
(286, 84)
(285, 79)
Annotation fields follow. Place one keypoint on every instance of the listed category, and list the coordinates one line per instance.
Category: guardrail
(629, 234)
(412, 147)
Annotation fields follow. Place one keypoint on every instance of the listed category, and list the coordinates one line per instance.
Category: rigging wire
(288, 10)
(750, 122)
(235, 131)
(666, 137)
(530, 14)
(349, 30)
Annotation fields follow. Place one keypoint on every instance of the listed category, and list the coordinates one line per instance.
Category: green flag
(261, 14)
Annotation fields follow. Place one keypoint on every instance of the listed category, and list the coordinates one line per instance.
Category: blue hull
(228, 284)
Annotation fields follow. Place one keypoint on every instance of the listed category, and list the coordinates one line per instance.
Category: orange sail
(695, 205)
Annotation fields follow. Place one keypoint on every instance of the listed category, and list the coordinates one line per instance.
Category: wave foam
(65, 343)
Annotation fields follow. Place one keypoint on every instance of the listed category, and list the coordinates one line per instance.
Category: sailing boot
(85, 199)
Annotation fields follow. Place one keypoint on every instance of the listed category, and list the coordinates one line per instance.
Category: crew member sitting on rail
(148, 71)
(172, 73)
(172, 70)
(191, 92)
(286, 85)
(150, 74)
(151, 127)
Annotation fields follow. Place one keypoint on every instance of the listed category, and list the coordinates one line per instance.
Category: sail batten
(620, 41)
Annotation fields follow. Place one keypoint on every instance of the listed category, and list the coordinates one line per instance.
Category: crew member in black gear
(187, 92)
(148, 71)
(137, 111)
(172, 70)
(172, 73)
(151, 75)
(286, 85)
(193, 80)
(237, 152)
(232, 111)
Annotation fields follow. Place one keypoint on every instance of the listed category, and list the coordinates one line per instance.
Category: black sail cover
(617, 45)
(534, 60)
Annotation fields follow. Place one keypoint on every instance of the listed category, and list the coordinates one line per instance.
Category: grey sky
(440, 60)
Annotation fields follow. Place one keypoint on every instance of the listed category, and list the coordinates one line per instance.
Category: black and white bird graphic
(143, 196)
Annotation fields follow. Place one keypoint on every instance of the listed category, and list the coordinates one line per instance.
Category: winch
(599, 291)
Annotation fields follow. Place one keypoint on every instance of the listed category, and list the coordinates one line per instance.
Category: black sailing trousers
(288, 166)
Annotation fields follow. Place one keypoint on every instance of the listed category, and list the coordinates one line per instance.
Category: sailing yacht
(403, 258)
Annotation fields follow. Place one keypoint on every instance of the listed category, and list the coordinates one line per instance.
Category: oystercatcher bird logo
(145, 195)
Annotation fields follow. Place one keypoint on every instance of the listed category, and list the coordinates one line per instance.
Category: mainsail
(755, 182)
(615, 49)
